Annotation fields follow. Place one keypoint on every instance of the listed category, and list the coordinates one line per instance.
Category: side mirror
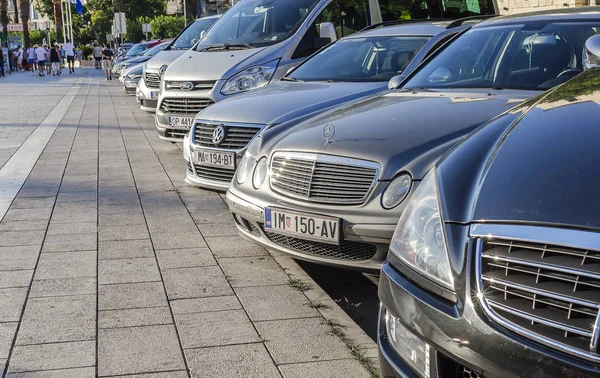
(591, 52)
(202, 33)
(327, 30)
(440, 75)
(396, 81)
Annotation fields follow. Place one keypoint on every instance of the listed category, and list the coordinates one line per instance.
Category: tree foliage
(166, 26)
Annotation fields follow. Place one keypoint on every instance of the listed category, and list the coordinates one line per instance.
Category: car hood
(139, 59)
(212, 65)
(397, 127)
(162, 58)
(284, 100)
(545, 170)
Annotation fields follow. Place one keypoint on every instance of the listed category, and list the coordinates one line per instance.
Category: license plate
(306, 226)
(153, 95)
(215, 159)
(185, 122)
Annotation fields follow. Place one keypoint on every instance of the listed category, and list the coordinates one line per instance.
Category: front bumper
(461, 338)
(130, 86)
(144, 97)
(363, 246)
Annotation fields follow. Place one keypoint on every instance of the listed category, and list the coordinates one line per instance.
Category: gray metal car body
(285, 100)
(400, 131)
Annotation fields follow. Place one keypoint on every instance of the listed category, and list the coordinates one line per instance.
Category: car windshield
(191, 35)
(156, 49)
(254, 23)
(361, 59)
(135, 50)
(519, 56)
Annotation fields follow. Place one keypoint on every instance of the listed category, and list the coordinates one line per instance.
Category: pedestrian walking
(97, 56)
(107, 57)
(47, 60)
(19, 58)
(40, 57)
(55, 60)
(80, 57)
(31, 59)
(69, 51)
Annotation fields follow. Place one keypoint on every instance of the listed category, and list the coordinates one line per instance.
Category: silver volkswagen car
(332, 188)
(353, 67)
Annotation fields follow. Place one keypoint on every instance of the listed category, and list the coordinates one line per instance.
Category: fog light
(408, 346)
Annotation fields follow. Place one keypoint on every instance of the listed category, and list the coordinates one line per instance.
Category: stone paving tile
(69, 243)
(32, 203)
(15, 278)
(71, 228)
(212, 216)
(234, 246)
(28, 358)
(217, 229)
(18, 238)
(131, 295)
(301, 340)
(173, 240)
(138, 350)
(121, 219)
(23, 225)
(325, 369)
(62, 287)
(85, 372)
(66, 265)
(134, 317)
(142, 269)
(167, 374)
(253, 271)
(186, 306)
(58, 319)
(232, 361)
(195, 282)
(185, 258)
(28, 214)
(12, 300)
(125, 249)
(76, 197)
(275, 302)
(18, 258)
(7, 333)
(123, 232)
(204, 329)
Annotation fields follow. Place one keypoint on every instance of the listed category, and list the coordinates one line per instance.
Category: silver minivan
(258, 41)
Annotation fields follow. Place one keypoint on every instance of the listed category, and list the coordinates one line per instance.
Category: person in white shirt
(31, 59)
(40, 56)
(97, 56)
(20, 58)
(70, 53)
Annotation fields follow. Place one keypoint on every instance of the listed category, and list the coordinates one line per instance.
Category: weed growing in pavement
(357, 352)
(317, 305)
(297, 284)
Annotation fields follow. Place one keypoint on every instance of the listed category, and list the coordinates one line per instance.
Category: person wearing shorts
(70, 53)
(97, 56)
(80, 57)
(40, 56)
(107, 56)
(31, 59)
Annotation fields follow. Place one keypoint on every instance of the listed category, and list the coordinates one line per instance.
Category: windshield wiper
(228, 46)
(288, 78)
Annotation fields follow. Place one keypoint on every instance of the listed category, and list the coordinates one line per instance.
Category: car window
(135, 50)
(191, 35)
(156, 49)
(258, 23)
(433, 9)
(521, 56)
(361, 59)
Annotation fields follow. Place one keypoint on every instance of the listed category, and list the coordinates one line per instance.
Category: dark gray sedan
(331, 189)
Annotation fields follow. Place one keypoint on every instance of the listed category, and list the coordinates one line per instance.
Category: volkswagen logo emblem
(187, 86)
(328, 132)
(218, 135)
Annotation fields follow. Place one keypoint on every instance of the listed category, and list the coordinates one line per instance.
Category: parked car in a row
(331, 189)
(131, 77)
(118, 68)
(136, 50)
(257, 42)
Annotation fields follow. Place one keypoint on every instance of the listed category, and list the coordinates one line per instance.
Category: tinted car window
(135, 50)
(521, 56)
(433, 9)
(361, 59)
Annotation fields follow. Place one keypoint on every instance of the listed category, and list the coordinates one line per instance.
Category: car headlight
(260, 173)
(186, 147)
(161, 71)
(396, 191)
(134, 76)
(144, 68)
(250, 78)
(248, 161)
(419, 237)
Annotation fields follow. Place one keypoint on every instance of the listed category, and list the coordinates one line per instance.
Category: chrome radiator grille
(184, 105)
(236, 136)
(152, 80)
(322, 178)
(214, 173)
(547, 292)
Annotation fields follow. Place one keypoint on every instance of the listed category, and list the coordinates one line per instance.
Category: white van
(258, 41)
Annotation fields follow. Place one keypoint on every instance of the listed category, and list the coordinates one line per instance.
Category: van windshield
(191, 34)
(361, 59)
(256, 23)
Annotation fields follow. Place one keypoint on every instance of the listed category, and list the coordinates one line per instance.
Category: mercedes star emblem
(218, 135)
(328, 132)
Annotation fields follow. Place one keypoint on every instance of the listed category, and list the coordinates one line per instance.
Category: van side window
(347, 16)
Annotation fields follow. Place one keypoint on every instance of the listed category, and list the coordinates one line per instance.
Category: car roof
(408, 28)
(209, 17)
(573, 14)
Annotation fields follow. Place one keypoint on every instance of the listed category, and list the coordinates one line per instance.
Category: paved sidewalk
(110, 265)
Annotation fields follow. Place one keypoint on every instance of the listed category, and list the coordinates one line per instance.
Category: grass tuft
(297, 284)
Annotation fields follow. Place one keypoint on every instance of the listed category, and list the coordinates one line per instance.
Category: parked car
(256, 42)
(149, 85)
(118, 68)
(131, 77)
(332, 188)
(136, 50)
(493, 269)
(353, 67)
